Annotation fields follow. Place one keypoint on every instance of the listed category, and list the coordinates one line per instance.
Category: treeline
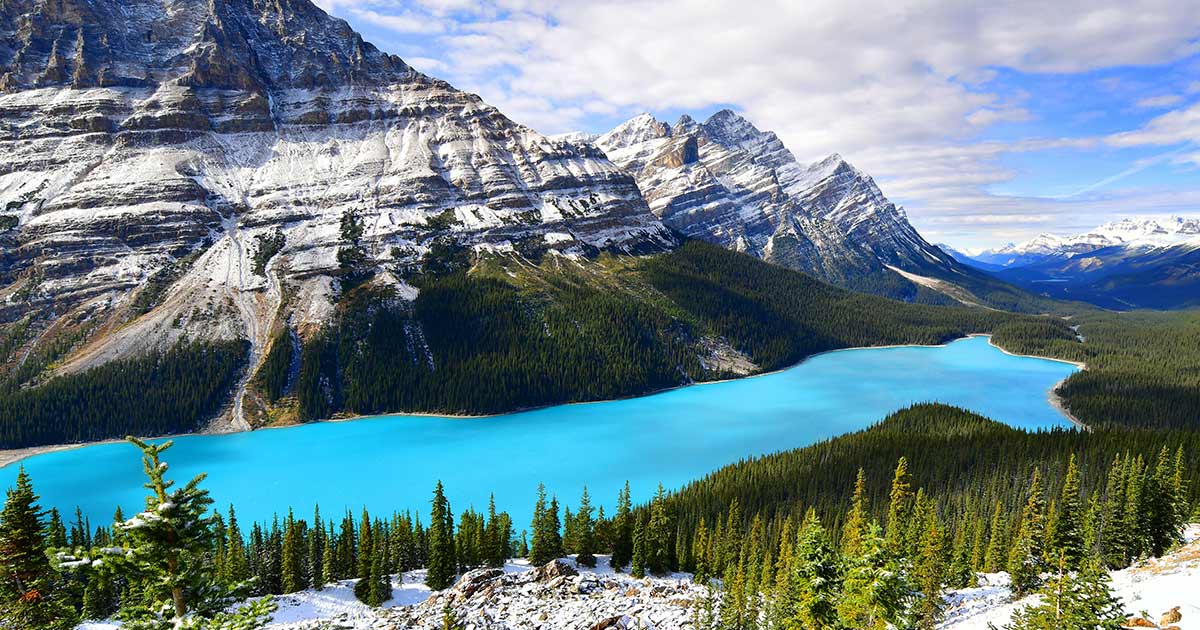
(170, 391)
(779, 317)
(475, 343)
(480, 346)
(1143, 367)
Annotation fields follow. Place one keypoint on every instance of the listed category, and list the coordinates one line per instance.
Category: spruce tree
(292, 561)
(657, 536)
(314, 569)
(622, 548)
(328, 558)
(1073, 601)
(442, 563)
(997, 547)
(497, 535)
(585, 532)
(899, 500)
(542, 546)
(1025, 556)
(554, 529)
(930, 572)
(1068, 535)
(874, 590)
(366, 556)
(27, 596)
(814, 579)
(168, 547)
(638, 563)
(379, 582)
(856, 521)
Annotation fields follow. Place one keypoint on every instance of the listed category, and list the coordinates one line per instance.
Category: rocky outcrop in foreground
(553, 596)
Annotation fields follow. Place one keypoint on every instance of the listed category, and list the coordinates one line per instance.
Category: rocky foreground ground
(556, 595)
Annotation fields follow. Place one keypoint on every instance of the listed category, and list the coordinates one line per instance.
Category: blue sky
(989, 123)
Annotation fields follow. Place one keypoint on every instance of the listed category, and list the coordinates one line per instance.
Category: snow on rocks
(559, 595)
(1148, 589)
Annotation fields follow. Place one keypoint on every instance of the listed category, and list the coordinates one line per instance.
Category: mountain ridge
(1124, 264)
(727, 182)
(212, 151)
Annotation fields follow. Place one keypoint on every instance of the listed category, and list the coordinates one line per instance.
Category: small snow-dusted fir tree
(874, 590)
(167, 549)
(1073, 601)
(814, 579)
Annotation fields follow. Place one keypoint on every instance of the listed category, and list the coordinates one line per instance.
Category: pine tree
(856, 521)
(1114, 538)
(731, 536)
(168, 550)
(328, 558)
(1025, 557)
(1068, 536)
(380, 583)
(292, 561)
(930, 571)
(235, 572)
(554, 529)
(366, 558)
(27, 597)
(314, 569)
(442, 561)
(899, 500)
(874, 590)
(622, 548)
(585, 532)
(997, 546)
(814, 580)
(657, 536)
(497, 537)
(638, 563)
(1079, 601)
(541, 547)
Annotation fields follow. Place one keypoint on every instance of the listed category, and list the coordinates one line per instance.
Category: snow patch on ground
(1150, 588)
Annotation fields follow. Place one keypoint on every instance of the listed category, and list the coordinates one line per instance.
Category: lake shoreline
(8, 457)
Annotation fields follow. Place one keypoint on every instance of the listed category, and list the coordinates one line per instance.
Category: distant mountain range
(1132, 263)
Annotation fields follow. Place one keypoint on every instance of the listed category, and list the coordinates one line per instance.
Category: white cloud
(1159, 102)
(1174, 127)
(900, 87)
(399, 22)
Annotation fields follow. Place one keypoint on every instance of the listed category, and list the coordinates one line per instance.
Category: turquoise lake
(392, 462)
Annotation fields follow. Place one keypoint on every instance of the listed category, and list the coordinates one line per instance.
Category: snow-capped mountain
(146, 140)
(1128, 233)
(1131, 263)
(729, 183)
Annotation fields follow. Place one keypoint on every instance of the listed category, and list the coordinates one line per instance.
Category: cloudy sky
(989, 123)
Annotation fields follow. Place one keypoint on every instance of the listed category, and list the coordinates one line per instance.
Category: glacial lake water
(392, 462)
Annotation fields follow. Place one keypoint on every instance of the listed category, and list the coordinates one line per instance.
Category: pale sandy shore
(12, 456)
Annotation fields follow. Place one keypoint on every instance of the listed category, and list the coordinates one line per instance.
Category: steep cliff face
(726, 182)
(184, 167)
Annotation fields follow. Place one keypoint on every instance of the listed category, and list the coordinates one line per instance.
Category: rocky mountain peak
(728, 182)
(227, 44)
(727, 127)
(185, 167)
(640, 128)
